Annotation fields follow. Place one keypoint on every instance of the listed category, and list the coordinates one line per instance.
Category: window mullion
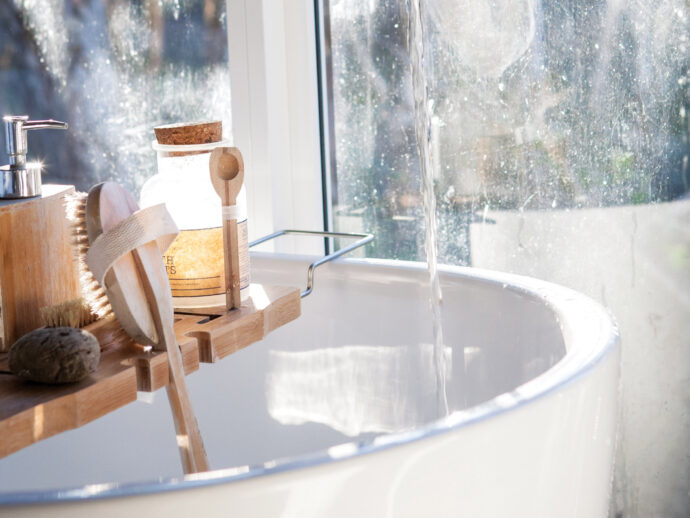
(275, 113)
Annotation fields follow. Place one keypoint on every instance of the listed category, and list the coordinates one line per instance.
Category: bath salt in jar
(194, 262)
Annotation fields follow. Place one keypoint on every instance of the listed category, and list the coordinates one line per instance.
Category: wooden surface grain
(36, 266)
(30, 412)
(227, 176)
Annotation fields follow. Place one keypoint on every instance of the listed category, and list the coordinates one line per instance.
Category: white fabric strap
(231, 212)
(146, 225)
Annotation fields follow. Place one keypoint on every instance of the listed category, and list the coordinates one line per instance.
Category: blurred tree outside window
(536, 106)
(113, 69)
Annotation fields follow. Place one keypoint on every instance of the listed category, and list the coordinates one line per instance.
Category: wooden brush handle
(157, 289)
(189, 440)
(140, 284)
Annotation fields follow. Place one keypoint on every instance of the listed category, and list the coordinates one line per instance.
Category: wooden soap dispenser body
(36, 265)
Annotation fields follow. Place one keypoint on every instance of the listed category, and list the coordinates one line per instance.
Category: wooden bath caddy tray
(30, 412)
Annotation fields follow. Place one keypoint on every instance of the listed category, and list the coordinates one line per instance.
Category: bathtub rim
(578, 361)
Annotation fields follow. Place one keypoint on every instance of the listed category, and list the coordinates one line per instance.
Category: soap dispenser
(22, 179)
(36, 266)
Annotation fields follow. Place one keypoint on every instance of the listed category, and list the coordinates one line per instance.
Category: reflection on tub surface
(356, 388)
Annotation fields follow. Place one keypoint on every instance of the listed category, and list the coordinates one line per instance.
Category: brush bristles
(94, 299)
(92, 292)
(72, 313)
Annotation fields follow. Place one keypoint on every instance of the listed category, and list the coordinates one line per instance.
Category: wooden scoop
(227, 176)
(139, 292)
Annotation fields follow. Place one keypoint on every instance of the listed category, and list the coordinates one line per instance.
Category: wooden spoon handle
(232, 263)
(227, 174)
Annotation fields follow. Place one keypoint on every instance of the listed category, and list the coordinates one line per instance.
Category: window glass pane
(535, 107)
(113, 69)
(559, 136)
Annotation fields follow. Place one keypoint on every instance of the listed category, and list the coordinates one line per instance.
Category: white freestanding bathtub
(333, 415)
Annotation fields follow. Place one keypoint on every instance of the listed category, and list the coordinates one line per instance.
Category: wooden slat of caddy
(267, 308)
(30, 412)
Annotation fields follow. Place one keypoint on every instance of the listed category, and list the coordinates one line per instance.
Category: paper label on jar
(194, 262)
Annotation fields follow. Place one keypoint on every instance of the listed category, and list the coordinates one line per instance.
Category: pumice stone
(55, 355)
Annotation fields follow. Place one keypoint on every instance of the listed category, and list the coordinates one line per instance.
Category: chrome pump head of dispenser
(19, 178)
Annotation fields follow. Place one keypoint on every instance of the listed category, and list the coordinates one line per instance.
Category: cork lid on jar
(185, 133)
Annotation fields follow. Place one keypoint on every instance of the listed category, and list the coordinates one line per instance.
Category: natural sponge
(55, 355)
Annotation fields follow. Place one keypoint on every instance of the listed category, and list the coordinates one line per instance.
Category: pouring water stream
(422, 112)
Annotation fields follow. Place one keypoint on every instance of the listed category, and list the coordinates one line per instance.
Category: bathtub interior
(358, 363)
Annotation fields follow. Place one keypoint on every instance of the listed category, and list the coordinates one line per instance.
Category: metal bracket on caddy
(363, 240)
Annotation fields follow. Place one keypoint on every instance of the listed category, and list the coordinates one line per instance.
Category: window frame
(274, 77)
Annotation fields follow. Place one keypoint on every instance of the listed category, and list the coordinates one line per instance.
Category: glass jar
(194, 261)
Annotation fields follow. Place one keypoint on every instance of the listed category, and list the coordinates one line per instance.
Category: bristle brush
(71, 313)
(93, 304)
(121, 267)
(92, 292)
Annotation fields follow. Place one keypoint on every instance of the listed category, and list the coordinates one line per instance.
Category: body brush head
(92, 292)
(94, 301)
